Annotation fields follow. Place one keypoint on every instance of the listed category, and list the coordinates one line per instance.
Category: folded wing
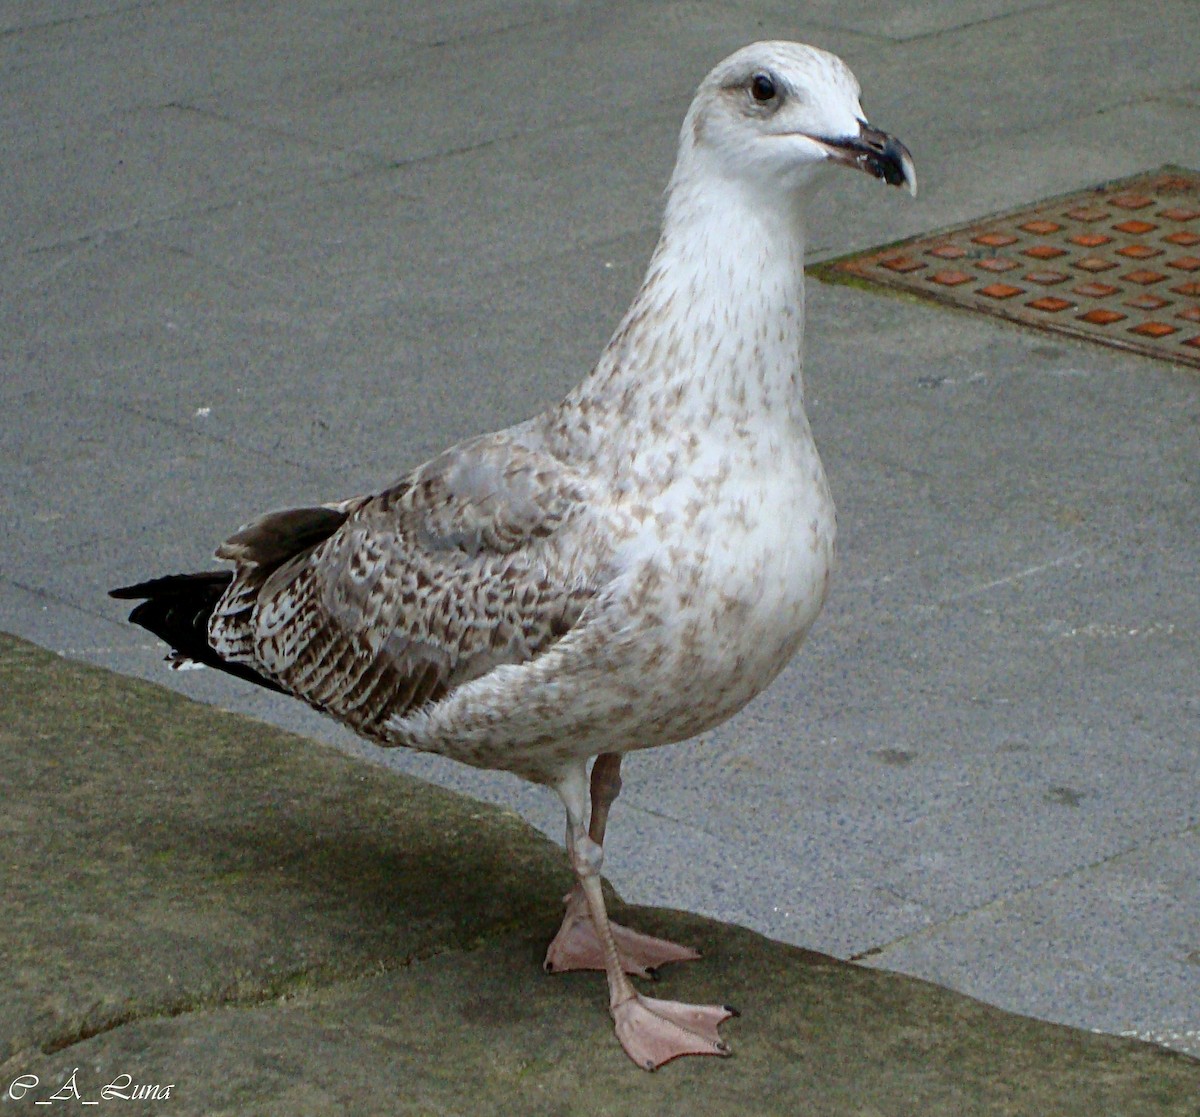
(377, 606)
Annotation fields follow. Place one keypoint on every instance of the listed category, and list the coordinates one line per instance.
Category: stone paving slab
(162, 855)
(268, 926)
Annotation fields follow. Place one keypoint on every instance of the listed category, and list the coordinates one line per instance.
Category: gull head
(772, 114)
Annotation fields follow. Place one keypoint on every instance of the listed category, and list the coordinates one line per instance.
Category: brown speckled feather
(457, 568)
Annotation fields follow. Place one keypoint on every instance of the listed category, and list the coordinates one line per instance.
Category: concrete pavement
(255, 255)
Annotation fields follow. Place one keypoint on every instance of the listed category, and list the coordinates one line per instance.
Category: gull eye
(762, 87)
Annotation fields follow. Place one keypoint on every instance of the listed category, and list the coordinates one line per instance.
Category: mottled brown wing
(456, 569)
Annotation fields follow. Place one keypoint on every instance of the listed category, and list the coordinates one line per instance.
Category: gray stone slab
(140, 164)
(468, 1033)
(1058, 62)
(163, 855)
(66, 71)
(40, 14)
(186, 329)
(898, 22)
(1083, 941)
(60, 485)
(440, 98)
(28, 15)
(1186, 95)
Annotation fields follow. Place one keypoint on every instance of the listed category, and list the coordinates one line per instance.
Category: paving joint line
(275, 132)
(289, 986)
(43, 594)
(955, 918)
(927, 36)
(87, 17)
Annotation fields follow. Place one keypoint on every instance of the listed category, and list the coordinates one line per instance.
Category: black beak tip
(877, 153)
(891, 164)
(883, 156)
(890, 160)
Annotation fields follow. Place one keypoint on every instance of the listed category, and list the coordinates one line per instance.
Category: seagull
(628, 568)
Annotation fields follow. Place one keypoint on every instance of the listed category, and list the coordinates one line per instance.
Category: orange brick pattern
(1117, 264)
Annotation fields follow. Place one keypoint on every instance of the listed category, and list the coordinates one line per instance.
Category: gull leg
(651, 1031)
(606, 786)
(576, 946)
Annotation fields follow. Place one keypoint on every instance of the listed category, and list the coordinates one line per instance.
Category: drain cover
(1118, 264)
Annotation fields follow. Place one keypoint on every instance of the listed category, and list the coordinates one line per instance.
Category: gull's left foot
(578, 947)
(654, 1032)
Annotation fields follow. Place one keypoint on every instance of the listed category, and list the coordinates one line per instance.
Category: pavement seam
(1003, 17)
(875, 953)
(41, 594)
(180, 426)
(1179, 97)
(86, 17)
(275, 132)
(289, 986)
(376, 165)
(150, 222)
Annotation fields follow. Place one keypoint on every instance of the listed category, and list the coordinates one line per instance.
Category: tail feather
(176, 609)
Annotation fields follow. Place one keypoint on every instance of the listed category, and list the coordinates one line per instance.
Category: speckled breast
(724, 605)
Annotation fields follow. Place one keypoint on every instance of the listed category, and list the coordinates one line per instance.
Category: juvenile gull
(625, 570)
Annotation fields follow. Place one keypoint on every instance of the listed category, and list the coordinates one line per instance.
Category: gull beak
(877, 153)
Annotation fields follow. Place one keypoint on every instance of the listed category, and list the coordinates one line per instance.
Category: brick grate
(1118, 264)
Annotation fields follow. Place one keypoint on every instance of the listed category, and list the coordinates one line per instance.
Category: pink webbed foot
(654, 1032)
(578, 947)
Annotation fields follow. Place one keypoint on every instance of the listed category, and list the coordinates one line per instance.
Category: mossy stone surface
(197, 900)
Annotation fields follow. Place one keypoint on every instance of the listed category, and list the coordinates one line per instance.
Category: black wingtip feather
(174, 585)
(176, 610)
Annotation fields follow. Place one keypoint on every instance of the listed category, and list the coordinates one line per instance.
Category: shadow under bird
(628, 568)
